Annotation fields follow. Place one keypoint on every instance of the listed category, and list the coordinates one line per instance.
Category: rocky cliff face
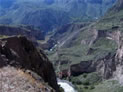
(20, 53)
(110, 66)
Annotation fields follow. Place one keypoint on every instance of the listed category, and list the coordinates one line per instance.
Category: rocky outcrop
(63, 74)
(82, 67)
(20, 53)
(16, 80)
(105, 66)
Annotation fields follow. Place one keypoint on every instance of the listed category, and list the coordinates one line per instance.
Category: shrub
(92, 87)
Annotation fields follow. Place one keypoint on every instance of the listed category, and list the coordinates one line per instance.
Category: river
(66, 85)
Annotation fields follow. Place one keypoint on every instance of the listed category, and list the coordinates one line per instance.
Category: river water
(66, 85)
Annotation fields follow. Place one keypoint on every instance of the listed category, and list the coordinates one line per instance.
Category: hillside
(28, 31)
(88, 54)
(51, 14)
(89, 41)
(93, 55)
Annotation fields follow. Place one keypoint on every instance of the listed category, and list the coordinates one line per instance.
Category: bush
(92, 87)
(86, 87)
(61, 89)
(86, 82)
(84, 75)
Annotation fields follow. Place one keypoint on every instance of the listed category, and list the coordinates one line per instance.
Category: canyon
(43, 43)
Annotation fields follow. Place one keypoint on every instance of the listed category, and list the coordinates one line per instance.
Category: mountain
(91, 55)
(49, 14)
(113, 19)
(89, 41)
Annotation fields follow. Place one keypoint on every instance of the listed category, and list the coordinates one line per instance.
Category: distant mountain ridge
(118, 6)
(49, 14)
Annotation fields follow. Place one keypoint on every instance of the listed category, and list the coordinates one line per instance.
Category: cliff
(19, 53)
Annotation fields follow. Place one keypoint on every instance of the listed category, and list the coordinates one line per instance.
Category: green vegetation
(77, 53)
(93, 83)
(86, 82)
(112, 19)
(83, 46)
(61, 89)
(81, 50)
(108, 86)
(50, 15)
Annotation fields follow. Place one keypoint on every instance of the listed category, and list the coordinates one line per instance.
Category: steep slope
(118, 6)
(82, 44)
(95, 54)
(89, 42)
(113, 19)
(50, 14)
(20, 53)
(62, 35)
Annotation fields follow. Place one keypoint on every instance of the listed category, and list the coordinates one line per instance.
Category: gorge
(61, 45)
